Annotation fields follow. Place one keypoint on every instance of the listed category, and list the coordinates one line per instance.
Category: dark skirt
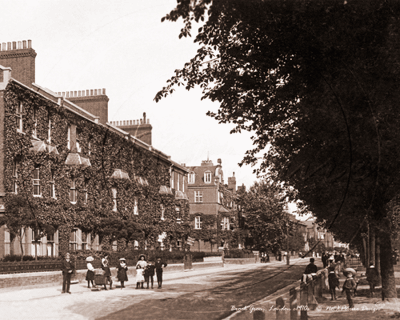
(89, 275)
(122, 276)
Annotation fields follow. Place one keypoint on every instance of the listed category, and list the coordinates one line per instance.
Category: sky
(124, 47)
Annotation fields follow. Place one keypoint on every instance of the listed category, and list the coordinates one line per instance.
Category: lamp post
(287, 245)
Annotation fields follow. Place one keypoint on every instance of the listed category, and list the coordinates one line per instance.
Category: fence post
(258, 315)
(293, 304)
(303, 301)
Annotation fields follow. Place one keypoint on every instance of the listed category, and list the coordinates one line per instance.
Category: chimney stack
(93, 101)
(232, 184)
(20, 57)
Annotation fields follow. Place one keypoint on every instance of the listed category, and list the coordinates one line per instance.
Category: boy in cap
(159, 271)
(349, 285)
(67, 269)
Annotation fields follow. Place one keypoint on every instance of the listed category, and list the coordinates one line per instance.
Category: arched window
(192, 177)
(207, 177)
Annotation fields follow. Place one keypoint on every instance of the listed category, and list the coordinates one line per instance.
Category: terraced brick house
(76, 180)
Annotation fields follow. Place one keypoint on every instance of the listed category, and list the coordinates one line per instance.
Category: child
(149, 274)
(107, 272)
(122, 268)
(90, 272)
(333, 281)
(348, 286)
(139, 277)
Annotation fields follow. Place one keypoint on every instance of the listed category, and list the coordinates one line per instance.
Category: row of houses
(83, 182)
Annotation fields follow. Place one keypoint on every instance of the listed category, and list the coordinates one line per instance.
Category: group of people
(334, 264)
(335, 257)
(145, 272)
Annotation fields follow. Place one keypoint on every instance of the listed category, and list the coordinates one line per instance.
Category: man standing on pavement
(310, 269)
(159, 271)
(67, 269)
(372, 278)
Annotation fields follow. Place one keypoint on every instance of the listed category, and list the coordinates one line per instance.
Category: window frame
(114, 193)
(19, 114)
(207, 177)
(135, 206)
(197, 223)
(73, 192)
(36, 182)
(178, 213)
(53, 184)
(162, 208)
(15, 176)
(198, 196)
(35, 122)
(225, 223)
(191, 177)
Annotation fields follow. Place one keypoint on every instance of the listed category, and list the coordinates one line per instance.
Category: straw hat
(122, 259)
(89, 259)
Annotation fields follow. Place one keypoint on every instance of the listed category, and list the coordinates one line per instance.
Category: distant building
(212, 204)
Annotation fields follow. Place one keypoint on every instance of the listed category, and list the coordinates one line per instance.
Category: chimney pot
(144, 117)
(104, 91)
(19, 45)
(14, 45)
(4, 46)
(9, 46)
(91, 92)
(23, 44)
(29, 43)
(75, 94)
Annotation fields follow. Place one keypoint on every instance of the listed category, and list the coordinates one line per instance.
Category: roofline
(137, 141)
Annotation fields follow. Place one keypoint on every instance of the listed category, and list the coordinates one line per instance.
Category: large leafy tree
(264, 217)
(316, 81)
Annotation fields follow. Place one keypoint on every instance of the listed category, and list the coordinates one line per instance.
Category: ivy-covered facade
(69, 182)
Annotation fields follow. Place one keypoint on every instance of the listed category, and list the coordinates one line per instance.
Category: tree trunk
(21, 237)
(63, 243)
(377, 258)
(387, 272)
(36, 243)
(365, 253)
(372, 245)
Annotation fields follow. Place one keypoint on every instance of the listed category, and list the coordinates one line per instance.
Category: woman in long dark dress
(122, 269)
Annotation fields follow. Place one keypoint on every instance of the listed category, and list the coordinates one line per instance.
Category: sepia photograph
(200, 159)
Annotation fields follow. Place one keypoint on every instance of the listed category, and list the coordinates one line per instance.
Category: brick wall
(96, 105)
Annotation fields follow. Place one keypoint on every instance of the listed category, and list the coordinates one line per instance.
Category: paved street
(199, 294)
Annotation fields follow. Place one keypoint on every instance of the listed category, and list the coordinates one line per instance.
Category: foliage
(296, 240)
(316, 81)
(263, 216)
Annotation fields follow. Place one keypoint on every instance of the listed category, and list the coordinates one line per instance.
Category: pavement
(49, 303)
(365, 307)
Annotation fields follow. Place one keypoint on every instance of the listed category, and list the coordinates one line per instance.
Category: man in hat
(67, 269)
(159, 271)
(372, 278)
